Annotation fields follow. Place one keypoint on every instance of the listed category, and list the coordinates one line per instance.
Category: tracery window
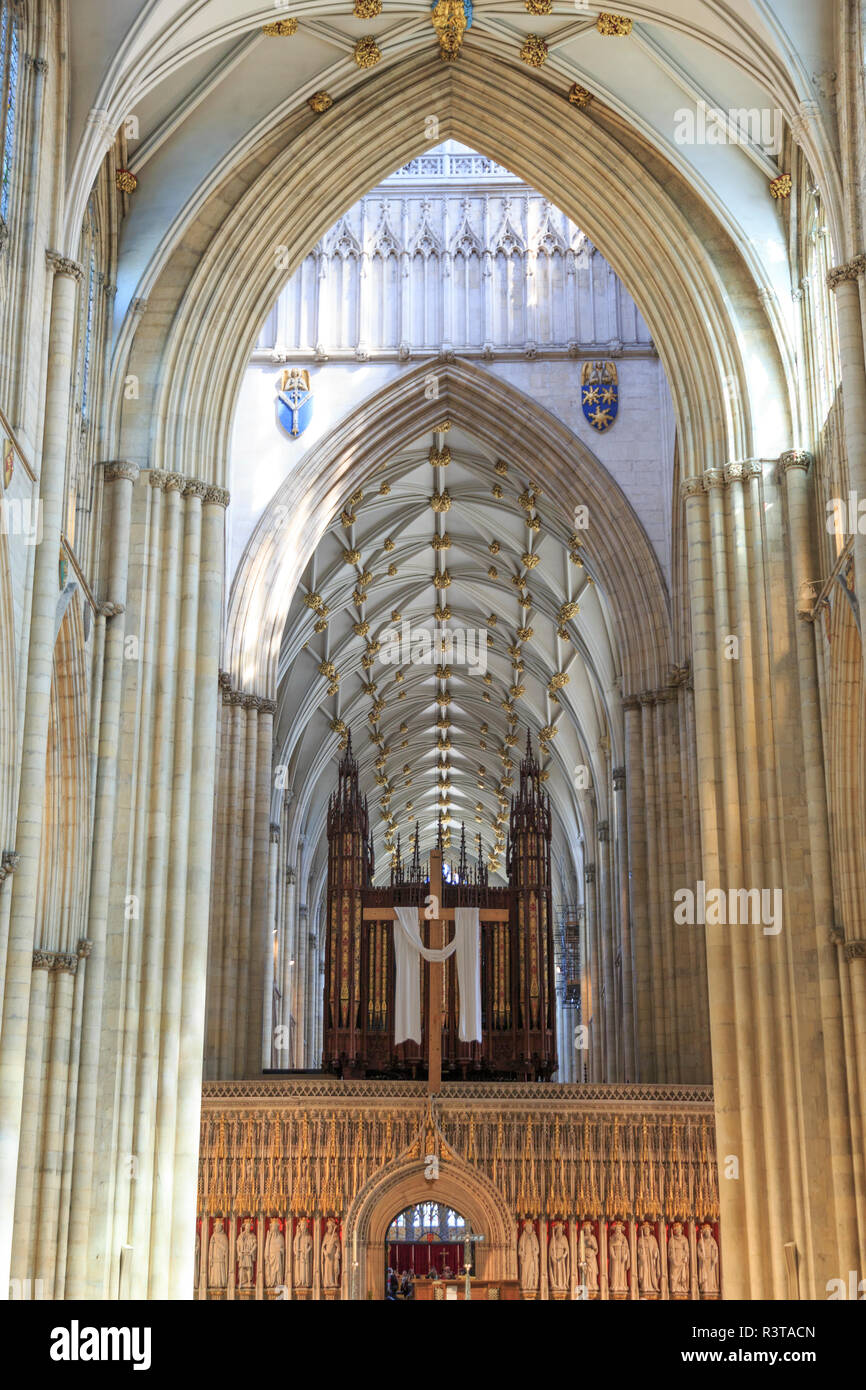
(8, 104)
(425, 1220)
(824, 344)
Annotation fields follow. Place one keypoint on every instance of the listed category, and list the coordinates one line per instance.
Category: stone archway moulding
(403, 1185)
(213, 290)
(505, 420)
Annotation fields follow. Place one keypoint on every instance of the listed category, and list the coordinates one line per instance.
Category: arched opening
(425, 1241)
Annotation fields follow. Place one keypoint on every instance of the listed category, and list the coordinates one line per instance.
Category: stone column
(34, 741)
(590, 969)
(198, 883)
(838, 1179)
(845, 280)
(628, 1063)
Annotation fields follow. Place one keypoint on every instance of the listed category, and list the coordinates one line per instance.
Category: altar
(454, 1290)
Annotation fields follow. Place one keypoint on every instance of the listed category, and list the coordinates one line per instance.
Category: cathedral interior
(431, 675)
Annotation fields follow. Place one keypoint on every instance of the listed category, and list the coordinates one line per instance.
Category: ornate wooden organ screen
(517, 969)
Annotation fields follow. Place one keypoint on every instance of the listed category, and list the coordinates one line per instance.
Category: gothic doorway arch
(404, 1184)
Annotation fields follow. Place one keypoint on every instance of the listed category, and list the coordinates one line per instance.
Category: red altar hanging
(420, 1257)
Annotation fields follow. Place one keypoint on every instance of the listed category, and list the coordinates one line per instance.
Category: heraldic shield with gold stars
(599, 394)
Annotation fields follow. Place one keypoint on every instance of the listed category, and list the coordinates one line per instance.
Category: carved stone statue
(708, 1261)
(619, 1258)
(303, 1253)
(590, 1257)
(275, 1255)
(218, 1257)
(247, 1249)
(527, 1254)
(331, 1256)
(678, 1260)
(557, 1259)
(649, 1263)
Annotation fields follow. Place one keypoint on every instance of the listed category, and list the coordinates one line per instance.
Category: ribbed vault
(554, 618)
(214, 290)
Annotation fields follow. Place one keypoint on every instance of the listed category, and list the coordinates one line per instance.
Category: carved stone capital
(851, 270)
(120, 472)
(110, 610)
(589, 873)
(216, 497)
(618, 779)
(194, 487)
(855, 950)
(63, 265)
(84, 948)
(9, 862)
(713, 477)
(39, 65)
(836, 936)
(139, 306)
(691, 487)
(794, 458)
(603, 831)
(60, 961)
(807, 597)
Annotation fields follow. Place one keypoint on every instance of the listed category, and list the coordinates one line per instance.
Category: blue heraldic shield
(294, 401)
(599, 394)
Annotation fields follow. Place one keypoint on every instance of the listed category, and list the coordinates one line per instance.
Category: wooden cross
(434, 979)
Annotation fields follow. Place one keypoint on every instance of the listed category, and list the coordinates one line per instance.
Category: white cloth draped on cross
(408, 950)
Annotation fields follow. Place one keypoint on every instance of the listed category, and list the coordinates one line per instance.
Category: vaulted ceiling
(203, 83)
(446, 538)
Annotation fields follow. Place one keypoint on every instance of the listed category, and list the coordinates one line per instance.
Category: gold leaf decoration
(351, 557)
(320, 102)
(367, 9)
(568, 611)
(443, 580)
(525, 633)
(280, 28)
(530, 560)
(533, 51)
(367, 52)
(441, 542)
(497, 490)
(579, 96)
(613, 25)
(440, 458)
(388, 545)
(441, 501)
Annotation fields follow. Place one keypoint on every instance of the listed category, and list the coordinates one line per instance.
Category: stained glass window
(9, 74)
